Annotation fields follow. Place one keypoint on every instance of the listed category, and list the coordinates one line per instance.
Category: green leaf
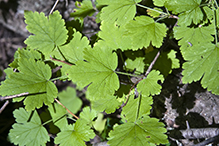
(149, 85)
(144, 132)
(190, 10)
(137, 64)
(84, 9)
(108, 104)
(33, 77)
(193, 36)
(69, 99)
(76, 135)
(202, 63)
(119, 11)
(159, 3)
(99, 123)
(143, 31)
(98, 71)
(153, 13)
(28, 133)
(113, 36)
(73, 51)
(88, 115)
(58, 114)
(49, 34)
(136, 108)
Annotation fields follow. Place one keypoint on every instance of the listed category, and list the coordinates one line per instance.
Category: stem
(216, 4)
(65, 76)
(127, 74)
(53, 7)
(145, 7)
(4, 106)
(215, 26)
(66, 108)
(152, 64)
(60, 61)
(54, 120)
(13, 96)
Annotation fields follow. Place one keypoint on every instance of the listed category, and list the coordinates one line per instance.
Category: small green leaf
(136, 108)
(76, 135)
(97, 70)
(33, 77)
(137, 64)
(159, 3)
(99, 123)
(153, 13)
(49, 34)
(84, 9)
(143, 31)
(119, 11)
(144, 132)
(149, 85)
(190, 10)
(88, 115)
(69, 99)
(28, 133)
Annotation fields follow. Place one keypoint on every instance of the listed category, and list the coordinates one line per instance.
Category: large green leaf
(48, 34)
(120, 11)
(144, 132)
(193, 36)
(113, 36)
(149, 86)
(203, 62)
(30, 133)
(136, 108)
(76, 135)
(98, 71)
(33, 77)
(190, 10)
(143, 31)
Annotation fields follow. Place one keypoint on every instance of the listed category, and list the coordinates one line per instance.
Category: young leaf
(153, 13)
(113, 36)
(98, 69)
(84, 9)
(136, 108)
(202, 63)
(99, 123)
(76, 135)
(137, 64)
(190, 11)
(49, 34)
(144, 132)
(143, 31)
(33, 77)
(88, 115)
(193, 36)
(73, 51)
(149, 85)
(159, 3)
(119, 11)
(30, 133)
(69, 99)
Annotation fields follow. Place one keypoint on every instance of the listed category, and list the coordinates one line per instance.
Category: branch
(3, 107)
(13, 96)
(66, 109)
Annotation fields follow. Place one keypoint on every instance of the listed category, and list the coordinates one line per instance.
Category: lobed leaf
(48, 34)
(143, 31)
(136, 108)
(149, 85)
(33, 77)
(28, 133)
(202, 63)
(119, 11)
(98, 71)
(144, 132)
(88, 115)
(76, 134)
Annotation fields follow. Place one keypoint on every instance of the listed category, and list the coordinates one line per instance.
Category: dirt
(177, 103)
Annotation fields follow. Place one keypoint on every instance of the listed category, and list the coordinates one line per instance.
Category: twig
(66, 109)
(53, 7)
(4, 105)
(152, 64)
(61, 61)
(13, 96)
(208, 141)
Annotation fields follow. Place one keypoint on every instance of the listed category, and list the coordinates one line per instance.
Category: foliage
(127, 45)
